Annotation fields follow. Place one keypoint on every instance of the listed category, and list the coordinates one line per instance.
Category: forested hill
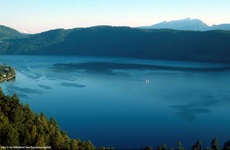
(206, 46)
(21, 127)
(6, 33)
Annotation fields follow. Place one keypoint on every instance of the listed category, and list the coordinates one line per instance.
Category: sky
(35, 16)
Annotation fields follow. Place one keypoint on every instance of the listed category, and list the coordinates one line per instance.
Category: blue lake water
(108, 101)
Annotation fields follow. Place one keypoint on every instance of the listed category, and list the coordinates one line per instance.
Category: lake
(107, 100)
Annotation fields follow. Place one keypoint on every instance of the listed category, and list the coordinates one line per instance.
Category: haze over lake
(107, 100)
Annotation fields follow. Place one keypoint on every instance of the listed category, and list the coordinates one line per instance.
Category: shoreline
(7, 79)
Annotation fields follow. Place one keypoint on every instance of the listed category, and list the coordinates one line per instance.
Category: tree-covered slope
(9, 33)
(20, 126)
(35, 42)
(208, 46)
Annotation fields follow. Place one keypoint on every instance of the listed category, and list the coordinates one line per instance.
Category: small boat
(147, 81)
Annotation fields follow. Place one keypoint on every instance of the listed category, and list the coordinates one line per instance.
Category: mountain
(35, 42)
(208, 46)
(220, 27)
(187, 24)
(184, 24)
(6, 33)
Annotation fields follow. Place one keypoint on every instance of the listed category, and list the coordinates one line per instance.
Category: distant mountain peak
(183, 24)
(185, 19)
(23, 31)
(193, 24)
(182, 21)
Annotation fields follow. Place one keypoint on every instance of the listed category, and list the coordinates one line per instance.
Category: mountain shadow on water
(108, 67)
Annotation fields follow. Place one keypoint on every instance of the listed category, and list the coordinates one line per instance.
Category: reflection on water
(24, 90)
(190, 111)
(108, 101)
(202, 102)
(45, 87)
(68, 84)
(107, 67)
(19, 94)
(30, 74)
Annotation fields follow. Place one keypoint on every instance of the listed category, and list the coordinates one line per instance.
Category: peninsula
(6, 73)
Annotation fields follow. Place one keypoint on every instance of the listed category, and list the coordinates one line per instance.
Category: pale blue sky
(36, 16)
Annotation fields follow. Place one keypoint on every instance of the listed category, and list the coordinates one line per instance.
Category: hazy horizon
(38, 16)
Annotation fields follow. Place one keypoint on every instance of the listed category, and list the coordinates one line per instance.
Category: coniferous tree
(40, 140)
(227, 145)
(180, 145)
(197, 146)
(89, 145)
(4, 123)
(12, 137)
(33, 135)
(74, 144)
(27, 139)
(164, 147)
(215, 144)
(149, 148)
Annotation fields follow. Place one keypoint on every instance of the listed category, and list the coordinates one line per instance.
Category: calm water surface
(108, 101)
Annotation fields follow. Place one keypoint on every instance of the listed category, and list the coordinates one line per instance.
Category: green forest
(164, 44)
(20, 126)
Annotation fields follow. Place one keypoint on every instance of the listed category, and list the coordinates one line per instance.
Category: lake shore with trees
(6, 73)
